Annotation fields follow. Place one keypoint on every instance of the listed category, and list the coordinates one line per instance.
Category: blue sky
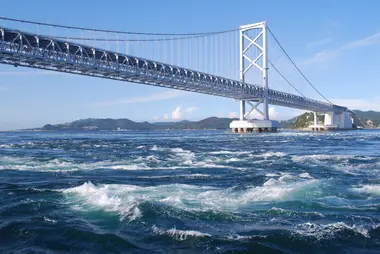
(336, 45)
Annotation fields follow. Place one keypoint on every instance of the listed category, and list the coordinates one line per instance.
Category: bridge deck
(35, 51)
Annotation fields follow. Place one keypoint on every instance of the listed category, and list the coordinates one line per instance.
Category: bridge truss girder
(30, 50)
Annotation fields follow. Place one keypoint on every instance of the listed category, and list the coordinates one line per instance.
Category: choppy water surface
(190, 191)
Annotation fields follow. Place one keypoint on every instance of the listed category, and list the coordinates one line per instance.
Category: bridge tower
(258, 44)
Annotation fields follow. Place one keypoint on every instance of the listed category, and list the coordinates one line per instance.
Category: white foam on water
(56, 165)
(287, 177)
(152, 158)
(188, 157)
(233, 160)
(278, 209)
(175, 158)
(155, 148)
(238, 237)
(327, 231)
(125, 199)
(46, 219)
(272, 174)
(130, 167)
(368, 189)
(23, 164)
(305, 175)
(337, 162)
(327, 157)
(104, 197)
(291, 212)
(179, 159)
(179, 235)
(177, 154)
(229, 152)
(320, 157)
(187, 176)
(270, 154)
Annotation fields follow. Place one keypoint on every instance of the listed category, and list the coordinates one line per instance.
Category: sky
(336, 46)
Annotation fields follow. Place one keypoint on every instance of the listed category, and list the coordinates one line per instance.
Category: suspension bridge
(247, 64)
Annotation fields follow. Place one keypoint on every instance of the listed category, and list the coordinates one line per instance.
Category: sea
(190, 191)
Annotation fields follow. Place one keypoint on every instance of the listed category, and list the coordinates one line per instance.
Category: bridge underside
(30, 50)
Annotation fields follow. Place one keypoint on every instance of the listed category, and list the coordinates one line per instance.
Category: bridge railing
(31, 50)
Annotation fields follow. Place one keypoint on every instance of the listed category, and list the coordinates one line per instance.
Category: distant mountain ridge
(126, 124)
(362, 119)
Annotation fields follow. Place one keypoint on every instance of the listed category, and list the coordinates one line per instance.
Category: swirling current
(189, 192)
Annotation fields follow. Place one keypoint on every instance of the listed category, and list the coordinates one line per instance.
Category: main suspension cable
(298, 68)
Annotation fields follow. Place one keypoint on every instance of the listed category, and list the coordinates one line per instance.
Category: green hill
(361, 118)
(99, 124)
(306, 119)
(126, 124)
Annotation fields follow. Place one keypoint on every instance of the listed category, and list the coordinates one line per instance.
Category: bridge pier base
(333, 121)
(249, 126)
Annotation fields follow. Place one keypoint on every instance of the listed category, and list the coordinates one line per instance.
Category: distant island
(364, 119)
(126, 124)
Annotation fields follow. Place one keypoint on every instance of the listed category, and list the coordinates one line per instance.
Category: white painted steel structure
(21, 48)
(254, 63)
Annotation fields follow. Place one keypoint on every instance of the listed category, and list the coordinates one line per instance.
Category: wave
(348, 164)
(141, 163)
(177, 234)
(59, 165)
(306, 175)
(46, 219)
(270, 154)
(125, 199)
(330, 157)
(104, 197)
(327, 231)
(320, 157)
(186, 176)
(368, 189)
(290, 213)
(237, 237)
(229, 152)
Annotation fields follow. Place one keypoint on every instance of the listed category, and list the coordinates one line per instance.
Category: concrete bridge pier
(333, 121)
(315, 126)
(244, 125)
(341, 120)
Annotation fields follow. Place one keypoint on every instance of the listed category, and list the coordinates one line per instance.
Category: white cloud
(327, 55)
(233, 115)
(177, 114)
(166, 116)
(361, 104)
(273, 114)
(190, 109)
(154, 97)
(155, 118)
